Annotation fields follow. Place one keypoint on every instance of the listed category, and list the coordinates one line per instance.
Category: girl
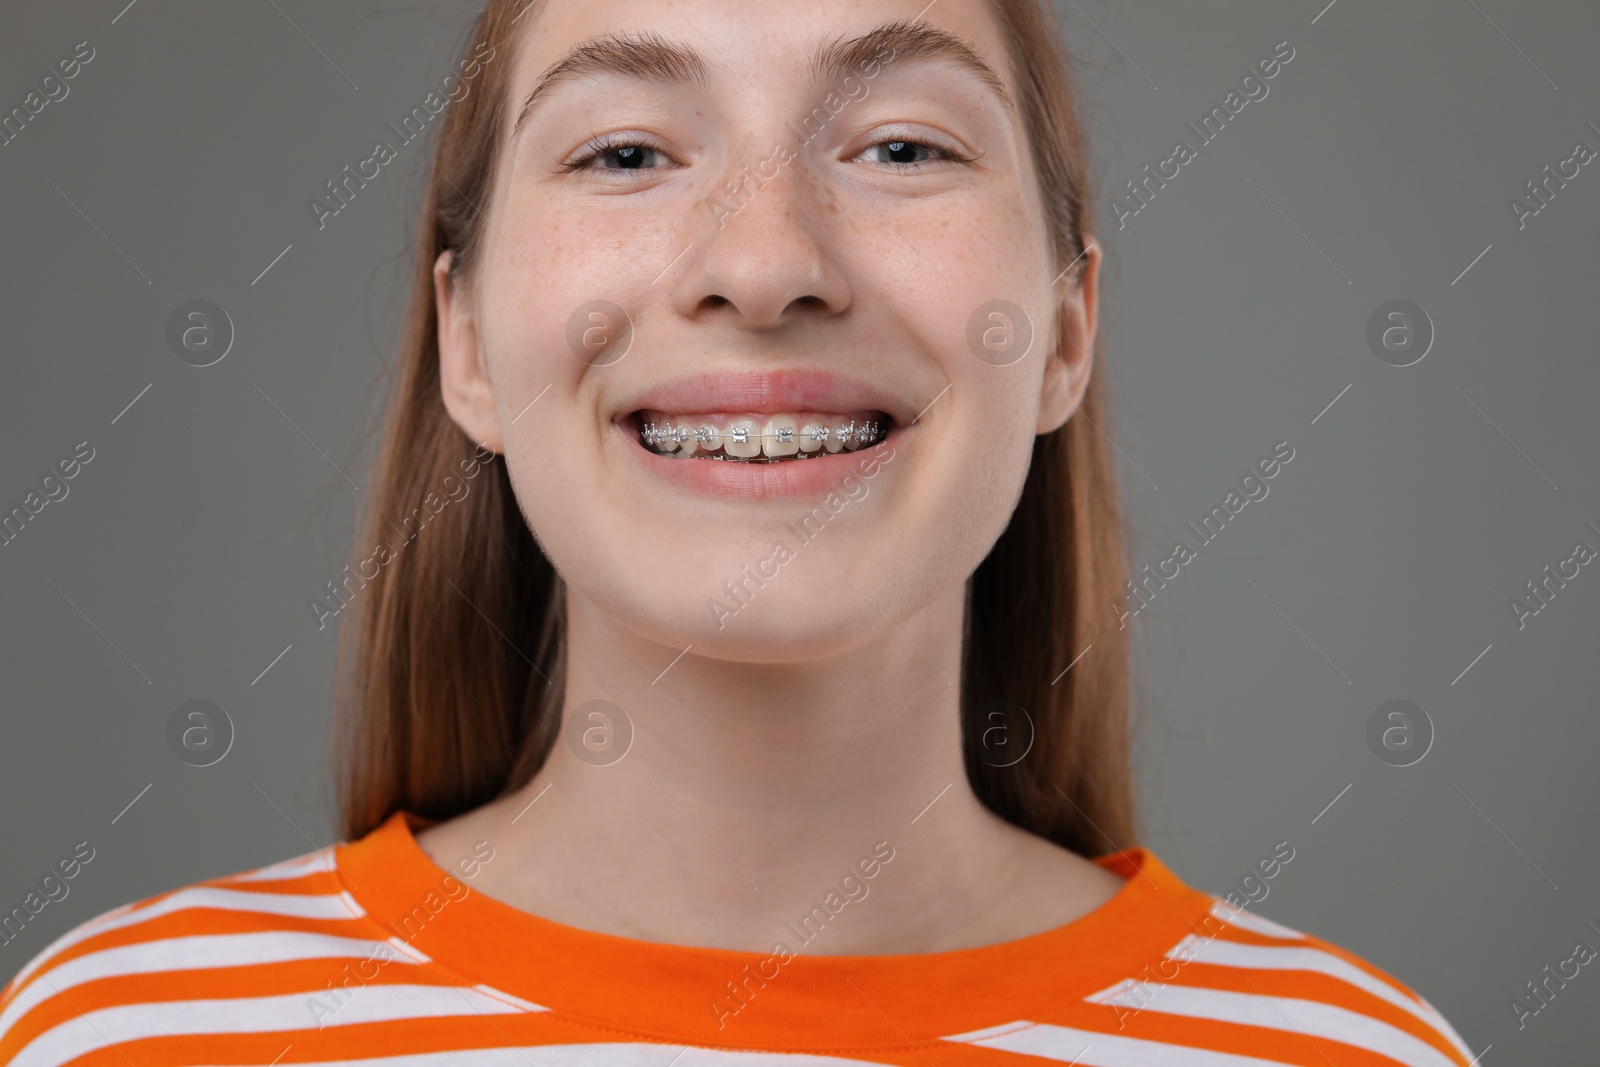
(735, 679)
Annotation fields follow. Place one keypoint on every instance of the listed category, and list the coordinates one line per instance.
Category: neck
(750, 789)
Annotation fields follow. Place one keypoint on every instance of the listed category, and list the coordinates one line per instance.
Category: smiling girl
(792, 309)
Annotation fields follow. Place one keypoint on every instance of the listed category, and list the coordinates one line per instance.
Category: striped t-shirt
(370, 953)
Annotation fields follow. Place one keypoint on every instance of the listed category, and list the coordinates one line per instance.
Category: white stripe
(67, 940)
(514, 1001)
(326, 906)
(247, 1015)
(1294, 958)
(193, 953)
(1088, 1048)
(973, 1036)
(416, 955)
(595, 1055)
(1309, 1017)
(1254, 923)
(1113, 993)
(298, 867)
(339, 905)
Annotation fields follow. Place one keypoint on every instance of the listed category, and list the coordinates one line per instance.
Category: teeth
(740, 439)
(778, 436)
(756, 438)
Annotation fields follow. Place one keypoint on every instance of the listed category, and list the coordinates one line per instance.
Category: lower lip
(735, 480)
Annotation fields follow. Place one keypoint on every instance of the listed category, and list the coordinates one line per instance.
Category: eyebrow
(650, 57)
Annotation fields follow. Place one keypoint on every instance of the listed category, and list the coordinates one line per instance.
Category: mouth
(778, 433)
(761, 438)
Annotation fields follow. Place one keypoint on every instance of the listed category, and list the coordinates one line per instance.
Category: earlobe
(464, 382)
(1060, 394)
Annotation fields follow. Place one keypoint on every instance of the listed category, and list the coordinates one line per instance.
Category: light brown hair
(451, 678)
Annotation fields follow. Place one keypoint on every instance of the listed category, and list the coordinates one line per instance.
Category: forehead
(763, 47)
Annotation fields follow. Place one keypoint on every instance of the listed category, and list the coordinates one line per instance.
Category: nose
(764, 252)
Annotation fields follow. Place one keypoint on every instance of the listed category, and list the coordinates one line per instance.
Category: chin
(772, 637)
(737, 609)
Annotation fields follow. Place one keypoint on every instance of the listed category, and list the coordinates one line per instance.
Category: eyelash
(604, 146)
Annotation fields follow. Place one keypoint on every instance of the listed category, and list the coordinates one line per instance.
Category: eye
(906, 153)
(617, 154)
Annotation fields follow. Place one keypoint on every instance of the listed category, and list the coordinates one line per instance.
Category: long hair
(416, 728)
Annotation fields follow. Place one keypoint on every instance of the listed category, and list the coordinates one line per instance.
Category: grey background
(179, 566)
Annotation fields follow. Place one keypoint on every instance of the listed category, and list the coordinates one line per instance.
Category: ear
(1068, 366)
(463, 372)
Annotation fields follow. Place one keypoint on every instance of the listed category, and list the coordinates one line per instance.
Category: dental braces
(655, 436)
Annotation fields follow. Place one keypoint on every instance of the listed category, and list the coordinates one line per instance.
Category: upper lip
(767, 392)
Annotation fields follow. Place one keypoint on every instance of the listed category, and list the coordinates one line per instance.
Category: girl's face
(711, 216)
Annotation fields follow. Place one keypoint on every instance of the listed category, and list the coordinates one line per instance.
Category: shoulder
(125, 974)
(1241, 987)
(1246, 970)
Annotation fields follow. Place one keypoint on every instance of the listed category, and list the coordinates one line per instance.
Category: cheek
(564, 282)
(988, 314)
(588, 246)
(522, 336)
(535, 380)
(993, 284)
